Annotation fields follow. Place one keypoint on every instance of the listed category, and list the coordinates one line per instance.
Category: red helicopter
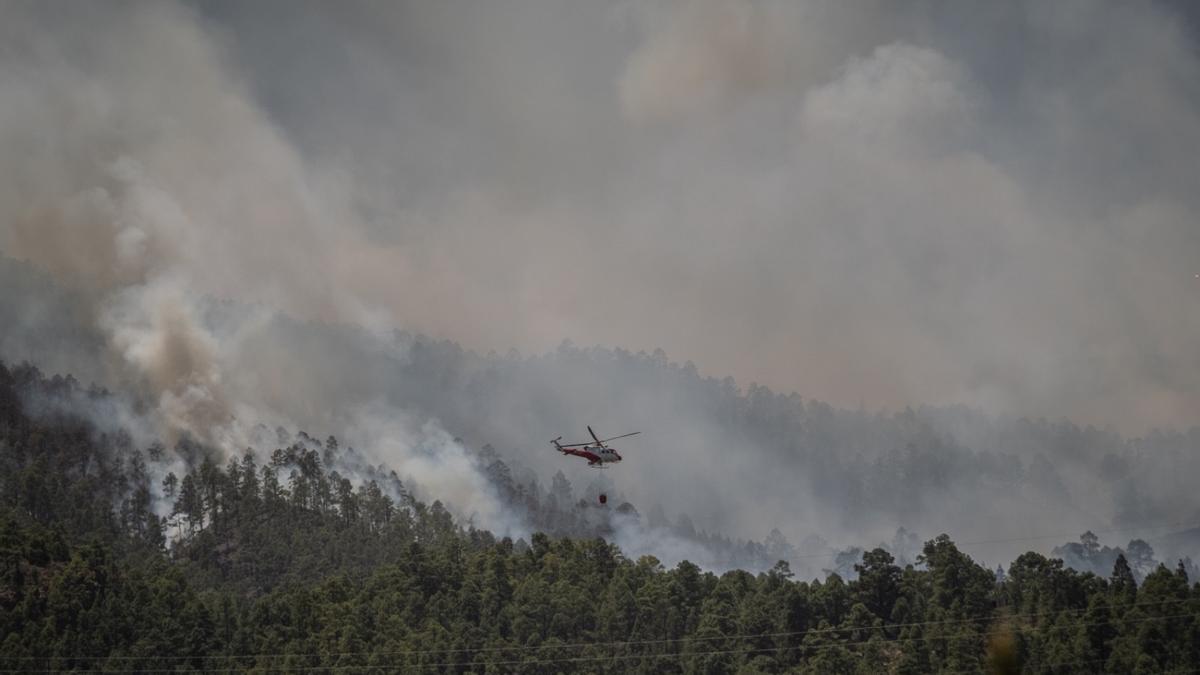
(595, 452)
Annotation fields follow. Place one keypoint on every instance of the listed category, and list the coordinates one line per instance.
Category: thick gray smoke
(884, 203)
(875, 203)
(143, 176)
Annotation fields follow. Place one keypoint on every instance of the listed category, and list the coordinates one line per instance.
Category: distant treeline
(289, 565)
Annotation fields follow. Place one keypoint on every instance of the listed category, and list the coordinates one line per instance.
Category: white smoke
(427, 455)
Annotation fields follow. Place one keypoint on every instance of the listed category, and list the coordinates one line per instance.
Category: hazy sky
(878, 202)
(992, 203)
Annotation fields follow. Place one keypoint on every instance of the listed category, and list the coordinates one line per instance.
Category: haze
(885, 203)
(880, 203)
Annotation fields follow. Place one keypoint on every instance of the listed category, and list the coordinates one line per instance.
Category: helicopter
(595, 452)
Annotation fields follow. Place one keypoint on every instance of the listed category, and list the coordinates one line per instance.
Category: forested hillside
(889, 310)
(826, 479)
(311, 560)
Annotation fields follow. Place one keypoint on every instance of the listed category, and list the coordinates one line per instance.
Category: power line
(661, 655)
(834, 645)
(625, 643)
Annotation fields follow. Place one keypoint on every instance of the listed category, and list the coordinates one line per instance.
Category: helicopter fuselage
(597, 454)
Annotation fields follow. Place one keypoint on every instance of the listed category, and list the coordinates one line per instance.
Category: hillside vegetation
(291, 565)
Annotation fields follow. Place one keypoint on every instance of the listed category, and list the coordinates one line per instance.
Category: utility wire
(624, 643)
(661, 655)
